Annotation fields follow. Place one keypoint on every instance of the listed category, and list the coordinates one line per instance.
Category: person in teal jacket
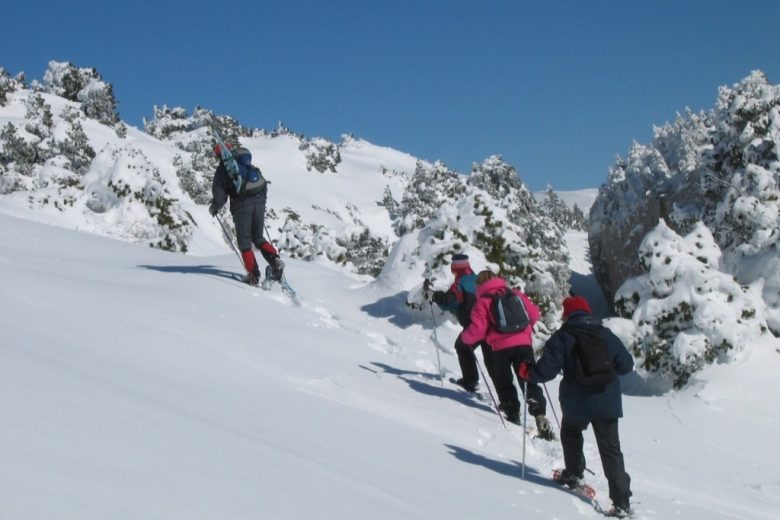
(459, 300)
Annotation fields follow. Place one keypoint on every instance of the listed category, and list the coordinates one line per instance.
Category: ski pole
(495, 403)
(525, 425)
(436, 340)
(549, 401)
(230, 240)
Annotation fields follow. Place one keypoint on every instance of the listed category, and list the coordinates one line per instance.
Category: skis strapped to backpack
(247, 179)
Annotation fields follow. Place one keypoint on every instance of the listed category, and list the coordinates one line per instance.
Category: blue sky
(557, 88)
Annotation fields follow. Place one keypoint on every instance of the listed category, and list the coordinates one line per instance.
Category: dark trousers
(608, 442)
(468, 361)
(250, 223)
(505, 363)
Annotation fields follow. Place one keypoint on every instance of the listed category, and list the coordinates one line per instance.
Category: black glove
(213, 209)
(427, 290)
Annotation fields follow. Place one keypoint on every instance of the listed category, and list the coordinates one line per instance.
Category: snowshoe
(469, 387)
(250, 279)
(618, 512)
(574, 483)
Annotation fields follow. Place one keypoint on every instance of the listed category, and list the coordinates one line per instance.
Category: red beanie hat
(574, 304)
(460, 262)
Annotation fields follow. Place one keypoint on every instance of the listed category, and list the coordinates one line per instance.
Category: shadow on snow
(434, 388)
(393, 308)
(208, 270)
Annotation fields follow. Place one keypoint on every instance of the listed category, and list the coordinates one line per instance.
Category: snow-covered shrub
(321, 154)
(126, 187)
(364, 251)
(720, 167)
(686, 311)
(38, 119)
(389, 203)
(171, 122)
(307, 241)
(19, 154)
(9, 84)
(84, 85)
(76, 149)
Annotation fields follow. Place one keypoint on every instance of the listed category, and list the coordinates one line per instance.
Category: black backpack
(247, 180)
(592, 361)
(509, 314)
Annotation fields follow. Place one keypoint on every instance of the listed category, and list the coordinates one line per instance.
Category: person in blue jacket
(459, 300)
(600, 406)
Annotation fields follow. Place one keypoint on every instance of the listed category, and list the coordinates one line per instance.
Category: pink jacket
(482, 328)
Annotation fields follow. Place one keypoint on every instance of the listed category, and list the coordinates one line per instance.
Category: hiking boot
(514, 418)
(469, 387)
(250, 279)
(570, 480)
(544, 429)
(277, 269)
(618, 512)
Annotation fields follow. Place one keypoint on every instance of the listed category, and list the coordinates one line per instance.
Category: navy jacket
(583, 403)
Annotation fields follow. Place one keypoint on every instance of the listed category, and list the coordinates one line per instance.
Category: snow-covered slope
(136, 383)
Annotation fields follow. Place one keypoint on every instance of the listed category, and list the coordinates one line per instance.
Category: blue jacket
(459, 298)
(583, 403)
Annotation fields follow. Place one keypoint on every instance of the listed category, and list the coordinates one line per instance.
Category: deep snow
(136, 383)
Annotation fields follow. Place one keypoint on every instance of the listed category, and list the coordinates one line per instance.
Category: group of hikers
(508, 354)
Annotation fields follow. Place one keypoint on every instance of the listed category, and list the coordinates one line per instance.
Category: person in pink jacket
(509, 350)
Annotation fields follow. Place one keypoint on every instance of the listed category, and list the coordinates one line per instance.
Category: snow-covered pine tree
(431, 186)
(76, 149)
(19, 155)
(84, 85)
(9, 84)
(38, 120)
(686, 312)
(528, 247)
(390, 204)
(719, 167)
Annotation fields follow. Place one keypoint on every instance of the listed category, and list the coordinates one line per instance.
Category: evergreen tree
(719, 167)
(321, 154)
(20, 154)
(39, 120)
(429, 188)
(76, 149)
(84, 85)
(390, 204)
(687, 312)
(9, 84)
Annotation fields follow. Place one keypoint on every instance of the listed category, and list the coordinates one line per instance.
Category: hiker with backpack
(247, 206)
(459, 300)
(510, 347)
(591, 358)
